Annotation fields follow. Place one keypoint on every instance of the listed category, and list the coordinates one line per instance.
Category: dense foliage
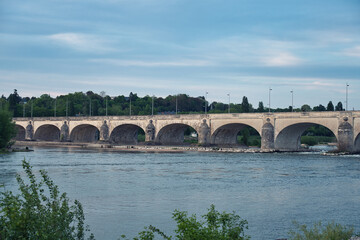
(214, 226)
(40, 211)
(90, 103)
(331, 231)
(7, 129)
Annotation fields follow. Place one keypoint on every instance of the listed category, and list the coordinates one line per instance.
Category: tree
(330, 106)
(305, 108)
(40, 211)
(14, 99)
(245, 105)
(339, 107)
(7, 129)
(319, 108)
(261, 107)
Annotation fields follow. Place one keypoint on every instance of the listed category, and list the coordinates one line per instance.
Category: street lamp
(130, 103)
(67, 106)
(292, 100)
(347, 85)
(176, 104)
(55, 108)
(229, 103)
(269, 98)
(152, 105)
(106, 103)
(206, 102)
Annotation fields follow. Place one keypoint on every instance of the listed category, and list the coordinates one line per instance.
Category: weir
(278, 131)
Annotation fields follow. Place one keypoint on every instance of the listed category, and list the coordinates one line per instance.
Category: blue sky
(162, 47)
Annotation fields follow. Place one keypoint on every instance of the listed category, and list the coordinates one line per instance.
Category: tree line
(93, 104)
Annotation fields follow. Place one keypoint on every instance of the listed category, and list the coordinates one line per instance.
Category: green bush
(330, 231)
(215, 226)
(7, 129)
(39, 211)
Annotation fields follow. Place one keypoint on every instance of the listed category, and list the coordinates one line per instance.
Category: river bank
(149, 148)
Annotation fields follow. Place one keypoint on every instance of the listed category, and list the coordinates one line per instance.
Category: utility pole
(152, 105)
(229, 103)
(90, 108)
(67, 104)
(106, 102)
(206, 102)
(55, 108)
(130, 103)
(176, 104)
(292, 100)
(269, 98)
(347, 85)
(23, 109)
(32, 107)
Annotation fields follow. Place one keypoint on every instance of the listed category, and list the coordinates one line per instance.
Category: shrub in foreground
(39, 211)
(214, 226)
(330, 231)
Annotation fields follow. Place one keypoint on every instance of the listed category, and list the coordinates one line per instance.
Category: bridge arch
(173, 133)
(47, 132)
(20, 133)
(126, 134)
(85, 133)
(357, 143)
(289, 138)
(227, 134)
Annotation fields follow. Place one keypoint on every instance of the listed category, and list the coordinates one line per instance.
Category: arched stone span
(172, 134)
(357, 143)
(47, 132)
(227, 134)
(20, 133)
(289, 138)
(85, 133)
(125, 134)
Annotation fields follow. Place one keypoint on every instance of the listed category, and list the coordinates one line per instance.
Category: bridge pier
(104, 132)
(29, 131)
(64, 132)
(345, 136)
(204, 134)
(267, 136)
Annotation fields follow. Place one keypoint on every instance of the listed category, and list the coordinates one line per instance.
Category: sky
(167, 47)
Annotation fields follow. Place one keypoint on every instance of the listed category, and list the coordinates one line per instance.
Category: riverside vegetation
(41, 212)
(7, 130)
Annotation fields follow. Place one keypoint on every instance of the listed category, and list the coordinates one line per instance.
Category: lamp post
(347, 85)
(206, 93)
(106, 103)
(176, 104)
(55, 108)
(90, 108)
(292, 100)
(269, 98)
(130, 103)
(67, 106)
(229, 103)
(152, 105)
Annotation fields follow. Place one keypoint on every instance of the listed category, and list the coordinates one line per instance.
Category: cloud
(80, 42)
(353, 52)
(179, 63)
(282, 59)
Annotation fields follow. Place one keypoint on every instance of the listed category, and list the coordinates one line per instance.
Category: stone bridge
(279, 131)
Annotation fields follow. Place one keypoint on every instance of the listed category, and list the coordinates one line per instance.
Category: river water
(123, 192)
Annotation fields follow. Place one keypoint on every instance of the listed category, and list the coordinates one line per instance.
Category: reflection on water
(123, 192)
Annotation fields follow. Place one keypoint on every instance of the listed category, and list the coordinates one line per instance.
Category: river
(123, 192)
